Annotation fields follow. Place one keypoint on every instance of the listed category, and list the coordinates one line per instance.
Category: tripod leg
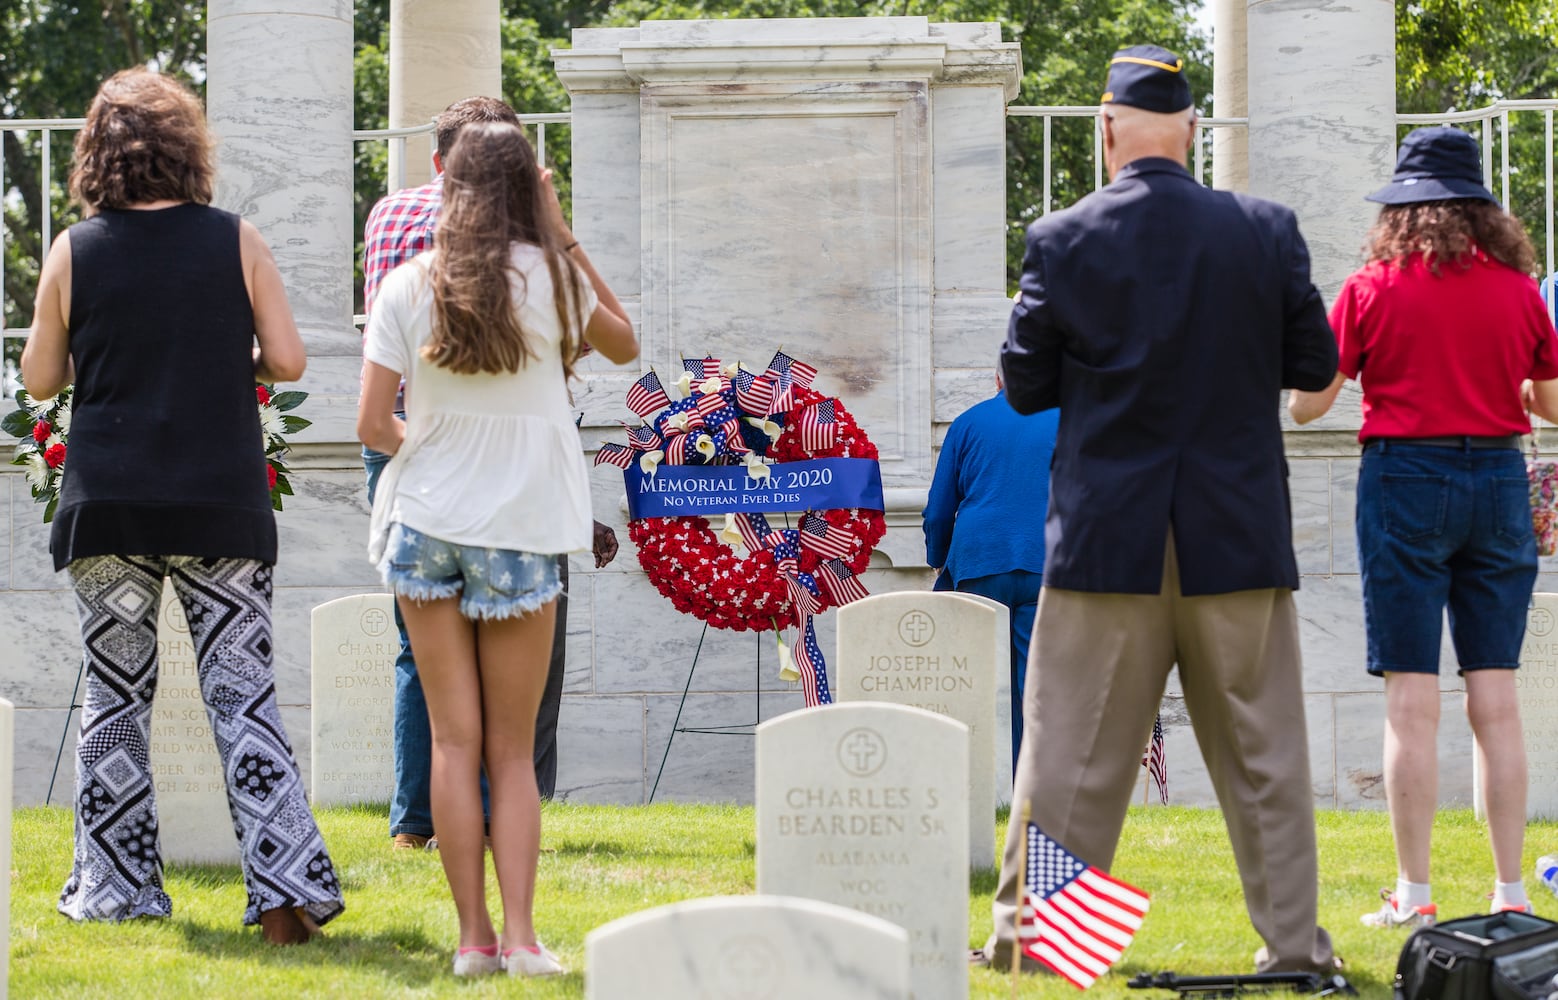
(65, 731)
(682, 704)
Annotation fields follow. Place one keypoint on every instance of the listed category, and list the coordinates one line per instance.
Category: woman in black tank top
(165, 312)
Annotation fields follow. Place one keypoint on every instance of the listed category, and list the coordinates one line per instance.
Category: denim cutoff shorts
(1444, 527)
(491, 583)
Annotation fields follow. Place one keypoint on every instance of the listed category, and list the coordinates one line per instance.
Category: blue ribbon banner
(701, 490)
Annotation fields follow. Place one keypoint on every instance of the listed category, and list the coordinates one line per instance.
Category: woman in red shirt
(1445, 330)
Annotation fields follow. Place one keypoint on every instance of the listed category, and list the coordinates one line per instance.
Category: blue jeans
(411, 808)
(1019, 591)
(1444, 527)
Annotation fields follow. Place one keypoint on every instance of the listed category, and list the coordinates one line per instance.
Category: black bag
(1502, 956)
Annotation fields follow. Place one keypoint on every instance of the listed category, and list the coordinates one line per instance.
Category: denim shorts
(1444, 528)
(492, 583)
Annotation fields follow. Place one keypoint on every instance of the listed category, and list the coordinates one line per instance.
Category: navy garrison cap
(1435, 164)
(1147, 77)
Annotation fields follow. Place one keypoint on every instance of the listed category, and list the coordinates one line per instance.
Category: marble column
(439, 52)
(1230, 94)
(279, 97)
(1322, 93)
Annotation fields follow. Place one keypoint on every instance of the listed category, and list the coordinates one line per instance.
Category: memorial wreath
(746, 445)
(42, 428)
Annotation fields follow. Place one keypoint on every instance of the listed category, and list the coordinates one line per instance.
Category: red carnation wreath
(703, 576)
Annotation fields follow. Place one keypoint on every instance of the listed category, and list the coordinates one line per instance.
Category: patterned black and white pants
(117, 872)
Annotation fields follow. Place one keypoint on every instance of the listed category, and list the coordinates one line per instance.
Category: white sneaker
(474, 962)
(524, 962)
(1389, 916)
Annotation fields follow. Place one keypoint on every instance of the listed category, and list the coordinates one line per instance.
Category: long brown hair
(493, 198)
(145, 139)
(1451, 231)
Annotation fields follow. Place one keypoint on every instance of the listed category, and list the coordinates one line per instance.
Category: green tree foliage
(1456, 56)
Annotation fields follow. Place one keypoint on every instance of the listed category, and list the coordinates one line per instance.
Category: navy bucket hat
(1435, 164)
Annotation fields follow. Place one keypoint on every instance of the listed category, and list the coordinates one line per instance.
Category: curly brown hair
(145, 139)
(494, 198)
(1451, 230)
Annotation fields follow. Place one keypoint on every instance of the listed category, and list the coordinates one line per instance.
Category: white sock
(1410, 894)
(1509, 894)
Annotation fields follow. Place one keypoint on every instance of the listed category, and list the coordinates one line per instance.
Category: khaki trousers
(1096, 674)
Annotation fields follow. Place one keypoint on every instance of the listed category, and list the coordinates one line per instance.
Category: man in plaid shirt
(401, 226)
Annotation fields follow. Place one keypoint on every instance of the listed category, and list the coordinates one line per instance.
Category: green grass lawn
(398, 931)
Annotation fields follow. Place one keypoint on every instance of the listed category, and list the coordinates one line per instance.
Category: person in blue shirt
(984, 520)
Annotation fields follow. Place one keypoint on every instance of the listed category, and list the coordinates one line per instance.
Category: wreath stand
(70, 713)
(735, 729)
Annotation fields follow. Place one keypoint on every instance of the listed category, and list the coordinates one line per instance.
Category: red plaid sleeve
(399, 227)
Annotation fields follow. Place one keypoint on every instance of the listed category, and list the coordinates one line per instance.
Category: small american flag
(752, 528)
(842, 584)
(644, 438)
(819, 426)
(786, 550)
(1155, 759)
(754, 393)
(815, 535)
(647, 395)
(791, 371)
(1076, 919)
(700, 368)
(814, 672)
(804, 598)
(615, 454)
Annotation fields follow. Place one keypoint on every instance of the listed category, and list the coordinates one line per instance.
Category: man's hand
(605, 546)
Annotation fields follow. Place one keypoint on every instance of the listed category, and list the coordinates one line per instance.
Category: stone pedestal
(1322, 108)
(440, 52)
(1536, 683)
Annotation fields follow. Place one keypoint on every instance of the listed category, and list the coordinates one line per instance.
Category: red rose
(55, 455)
(41, 431)
(270, 471)
(263, 396)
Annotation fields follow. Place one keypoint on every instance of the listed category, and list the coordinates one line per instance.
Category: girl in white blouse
(486, 487)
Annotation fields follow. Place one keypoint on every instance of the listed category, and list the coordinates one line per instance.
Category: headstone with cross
(866, 806)
(1536, 686)
(747, 948)
(354, 645)
(942, 652)
(194, 823)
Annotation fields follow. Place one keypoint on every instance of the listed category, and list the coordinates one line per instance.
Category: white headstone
(7, 762)
(193, 820)
(936, 651)
(1536, 684)
(353, 669)
(747, 948)
(865, 805)
(1003, 698)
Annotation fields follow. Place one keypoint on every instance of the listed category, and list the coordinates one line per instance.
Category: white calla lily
(649, 460)
(683, 385)
(729, 534)
(768, 427)
(787, 671)
(710, 385)
(757, 471)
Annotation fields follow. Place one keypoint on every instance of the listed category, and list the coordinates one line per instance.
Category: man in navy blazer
(1164, 319)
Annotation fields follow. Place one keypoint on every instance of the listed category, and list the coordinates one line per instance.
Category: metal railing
(1511, 159)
